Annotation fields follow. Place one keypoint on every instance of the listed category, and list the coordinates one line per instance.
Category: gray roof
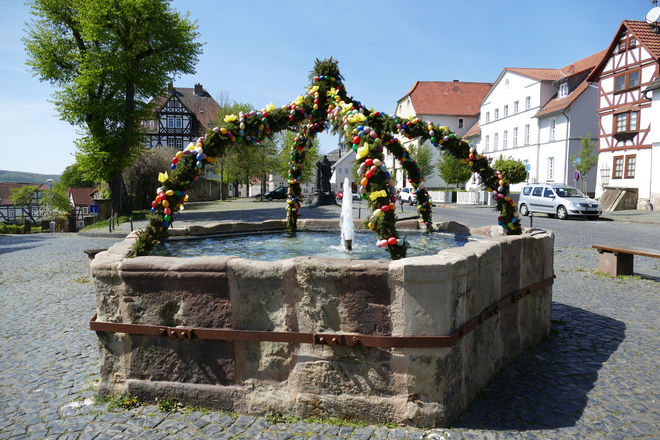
(655, 85)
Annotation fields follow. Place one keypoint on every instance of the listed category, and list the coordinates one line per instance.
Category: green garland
(366, 131)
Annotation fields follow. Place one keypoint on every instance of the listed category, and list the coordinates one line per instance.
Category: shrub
(512, 170)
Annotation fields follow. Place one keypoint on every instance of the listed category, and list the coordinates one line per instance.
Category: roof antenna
(652, 18)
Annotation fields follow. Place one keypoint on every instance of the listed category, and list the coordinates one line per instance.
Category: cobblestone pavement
(596, 376)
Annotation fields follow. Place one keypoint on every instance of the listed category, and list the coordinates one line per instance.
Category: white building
(627, 147)
(452, 104)
(341, 169)
(538, 116)
(654, 137)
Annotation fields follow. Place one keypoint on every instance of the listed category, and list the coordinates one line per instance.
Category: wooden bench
(618, 260)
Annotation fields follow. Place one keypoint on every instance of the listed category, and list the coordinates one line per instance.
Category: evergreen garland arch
(366, 131)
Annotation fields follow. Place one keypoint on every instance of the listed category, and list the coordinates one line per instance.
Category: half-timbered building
(625, 149)
(181, 116)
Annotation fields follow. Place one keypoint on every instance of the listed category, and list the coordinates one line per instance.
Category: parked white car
(557, 199)
(407, 195)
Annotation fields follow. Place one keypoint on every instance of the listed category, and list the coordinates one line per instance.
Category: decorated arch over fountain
(325, 105)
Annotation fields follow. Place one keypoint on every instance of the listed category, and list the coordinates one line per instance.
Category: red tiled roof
(645, 35)
(475, 130)
(82, 196)
(642, 31)
(538, 74)
(201, 104)
(584, 64)
(447, 97)
(6, 187)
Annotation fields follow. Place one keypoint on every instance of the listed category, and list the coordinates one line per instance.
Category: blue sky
(261, 52)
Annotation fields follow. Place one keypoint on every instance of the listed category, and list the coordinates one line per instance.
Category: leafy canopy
(107, 59)
(453, 170)
(513, 170)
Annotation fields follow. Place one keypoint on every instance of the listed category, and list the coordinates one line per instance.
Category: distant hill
(18, 176)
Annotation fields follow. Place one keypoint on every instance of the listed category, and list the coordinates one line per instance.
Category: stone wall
(431, 295)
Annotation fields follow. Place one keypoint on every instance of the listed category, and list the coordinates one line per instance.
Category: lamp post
(51, 225)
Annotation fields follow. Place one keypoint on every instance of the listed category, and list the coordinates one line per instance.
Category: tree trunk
(120, 202)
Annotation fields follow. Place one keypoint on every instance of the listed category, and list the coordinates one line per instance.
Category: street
(595, 376)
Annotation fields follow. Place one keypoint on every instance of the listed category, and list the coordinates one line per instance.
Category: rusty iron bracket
(228, 334)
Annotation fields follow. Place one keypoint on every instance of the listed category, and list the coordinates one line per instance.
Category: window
(626, 81)
(538, 191)
(179, 122)
(626, 125)
(617, 171)
(629, 172)
(497, 114)
(495, 141)
(548, 193)
(487, 116)
(506, 111)
(515, 137)
(170, 122)
(622, 45)
(563, 90)
(527, 134)
(551, 169)
(505, 135)
(632, 42)
(171, 142)
(487, 142)
(151, 123)
(553, 129)
(527, 190)
(178, 143)
(528, 102)
(460, 122)
(515, 107)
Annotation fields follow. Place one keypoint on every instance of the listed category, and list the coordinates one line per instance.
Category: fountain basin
(418, 296)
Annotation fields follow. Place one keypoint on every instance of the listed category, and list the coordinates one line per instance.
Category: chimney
(199, 90)
(170, 87)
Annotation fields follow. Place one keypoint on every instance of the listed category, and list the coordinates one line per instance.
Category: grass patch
(82, 280)
(619, 277)
(123, 401)
(170, 406)
(136, 215)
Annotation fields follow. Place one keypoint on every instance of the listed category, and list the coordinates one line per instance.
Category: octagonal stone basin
(419, 296)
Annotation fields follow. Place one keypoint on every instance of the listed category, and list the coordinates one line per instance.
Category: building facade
(538, 116)
(181, 116)
(453, 104)
(625, 114)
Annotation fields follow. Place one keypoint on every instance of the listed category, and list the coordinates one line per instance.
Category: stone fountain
(407, 341)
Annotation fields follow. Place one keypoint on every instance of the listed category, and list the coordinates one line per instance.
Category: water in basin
(279, 245)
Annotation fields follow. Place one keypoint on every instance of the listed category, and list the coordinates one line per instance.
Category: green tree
(423, 155)
(107, 58)
(512, 170)
(585, 159)
(308, 166)
(453, 170)
(25, 195)
(139, 177)
(75, 176)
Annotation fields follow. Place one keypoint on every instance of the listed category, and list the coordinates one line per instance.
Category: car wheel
(269, 198)
(523, 210)
(562, 214)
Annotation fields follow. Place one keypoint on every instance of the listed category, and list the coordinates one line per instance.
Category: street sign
(528, 167)
(94, 209)
(576, 176)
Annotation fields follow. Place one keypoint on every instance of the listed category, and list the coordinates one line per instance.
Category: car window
(569, 192)
(538, 191)
(548, 193)
(527, 190)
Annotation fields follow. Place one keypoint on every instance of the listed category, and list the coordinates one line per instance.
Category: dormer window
(622, 45)
(563, 90)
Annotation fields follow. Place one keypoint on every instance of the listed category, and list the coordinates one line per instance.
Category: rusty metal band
(218, 334)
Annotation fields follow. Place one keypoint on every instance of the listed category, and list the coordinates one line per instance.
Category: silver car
(557, 199)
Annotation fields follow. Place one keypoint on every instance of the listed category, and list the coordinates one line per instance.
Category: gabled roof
(197, 100)
(538, 74)
(447, 97)
(475, 130)
(643, 33)
(6, 187)
(346, 156)
(557, 104)
(81, 196)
